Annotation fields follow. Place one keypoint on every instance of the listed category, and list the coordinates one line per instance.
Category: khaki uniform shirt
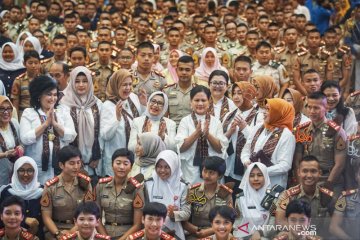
(179, 102)
(23, 235)
(342, 61)
(118, 207)
(353, 101)
(201, 205)
(141, 235)
(20, 92)
(61, 202)
(76, 236)
(13, 30)
(274, 69)
(149, 83)
(287, 58)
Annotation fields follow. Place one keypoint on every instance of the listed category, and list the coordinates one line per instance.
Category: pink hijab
(204, 70)
(171, 69)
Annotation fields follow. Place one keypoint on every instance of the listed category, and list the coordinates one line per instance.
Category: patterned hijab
(267, 86)
(114, 84)
(297, 99)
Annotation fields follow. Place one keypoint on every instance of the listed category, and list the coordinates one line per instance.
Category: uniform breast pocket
(322, 212)
(173, 101)
(105, 202)
(59, 201)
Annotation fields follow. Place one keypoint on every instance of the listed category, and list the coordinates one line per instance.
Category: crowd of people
(179, 119)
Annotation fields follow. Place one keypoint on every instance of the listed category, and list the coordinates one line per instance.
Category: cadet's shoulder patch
(226, 188)
(326, 191)
(69, 236)
(166, 236)
(138, 201)
(135, 182)
(159, 73)
(46, 60)
(83, 176)
(340, 143)
(294, 190)
(169, 85)
(349, 192)
(100, 236)
(52, 181)
(105, 180)
(300, 54)
(91, 50)
(304, 125)
(137, 235)
(45, 200)
(90, 65)
(284, 200)
(196, 185)
(333, 125)
(21, 75)
(354, 137)
(355, 93)
(341, 204)
(26, 235)
(279, 50)
(88, 196)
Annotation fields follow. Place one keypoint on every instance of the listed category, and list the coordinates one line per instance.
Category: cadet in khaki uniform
(64, 193)
(323, 139)
(202, 197)
(20, 95)
(179, 93)
(121, 197)
(353, 101)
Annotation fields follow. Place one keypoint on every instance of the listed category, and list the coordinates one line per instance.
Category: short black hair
(197, 89)
(155, 209)
(290, 27)
(66, 68)
(273, 24)
(315, 30)
(219, 73)
(123, 152)
(67, 152)
(243, 58)
(87, 208)
(70, 15)
(41, 4)
(224, 211)
(168, 17)
(60, 36)
(172, 29)
(252, 32)
(309, 158)
(311, 70)
(317, 96)
(31, 54)
(145, 45)
(300, 15)
(264, 44)
(298, 206)
(78, 49)
(209, 26)
(13, 200)
(215, 163)
(104, 42)
(39, 86)
(121, 28)
(186, 59)
(242, 25)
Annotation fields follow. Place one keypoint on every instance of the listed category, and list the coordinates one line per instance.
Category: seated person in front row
(153, 219)
(86, 219)
(12, 214)
(299, 227)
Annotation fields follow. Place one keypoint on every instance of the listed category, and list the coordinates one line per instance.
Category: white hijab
(18, 42)
(36, 44)
(28, 191)
(170, 189)
(165, 107)
(15, 64)
(254, 197)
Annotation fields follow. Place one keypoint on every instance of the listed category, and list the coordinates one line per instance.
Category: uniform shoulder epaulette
(2, 232)
(105, 180)
(196, 185)
(52, 181)
(294, 190)
(26, 235)
(354, 137)
(226, 188)
(303, 125)
(166, 236)
(91, 50)
(69, 236)
(100, 236)
(349, 192)
(326, 191)
(83, 176)
(135, 182)
(137, 235)
(302, 53)
(353, 94)
(21, 75)
(115, 66)
(90, 65)
(159, 73)
(345, 48)
(169, 85)
(115, 48)
(274, 64)
(333, 125)
(279, 50)
(46, 60)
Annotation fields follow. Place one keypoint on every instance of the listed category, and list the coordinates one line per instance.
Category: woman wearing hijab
(85, 110)
(21, 38)
(155, 122)
(272, 143)
(10, 146)
(24, 184)
(265, 88)
(170, 71)
(167, 187)
(237, 130)
(220, 104)
(32, 43)
(11, 66)
(296, 99)
(255, 182)
(148, 147)
(208, 63)
(199, 135)
(117, 114)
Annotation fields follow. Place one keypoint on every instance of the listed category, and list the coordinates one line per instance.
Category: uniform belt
(117, 224)
(64, 221)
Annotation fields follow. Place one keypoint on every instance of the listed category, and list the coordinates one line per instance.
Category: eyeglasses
(29, 171)
(154, 102)
(220, 84)
(3, 110)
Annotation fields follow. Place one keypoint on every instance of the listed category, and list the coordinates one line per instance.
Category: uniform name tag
(251, 207)
(158, 197)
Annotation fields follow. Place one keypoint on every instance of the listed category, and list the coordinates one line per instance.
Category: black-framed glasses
(9, 110)
(154, 102)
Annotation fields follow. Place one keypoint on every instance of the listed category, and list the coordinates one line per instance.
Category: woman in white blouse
(155, 122)
(44, 128)
(10, 148)
(117, 114)
(85, 110)
(272, 143)
(220, 104)
(199, 135)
